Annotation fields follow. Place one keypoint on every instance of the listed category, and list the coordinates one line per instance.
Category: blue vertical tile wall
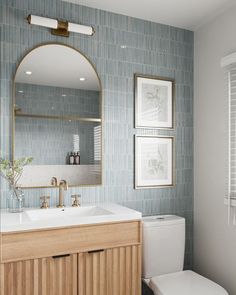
(151, 48)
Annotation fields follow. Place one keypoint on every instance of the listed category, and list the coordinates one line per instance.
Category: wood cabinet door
(44, 276)
(115, 271)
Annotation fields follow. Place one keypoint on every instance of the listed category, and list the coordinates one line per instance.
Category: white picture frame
(154, 161)
(154, 102)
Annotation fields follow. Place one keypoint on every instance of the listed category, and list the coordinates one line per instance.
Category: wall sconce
(58, 27)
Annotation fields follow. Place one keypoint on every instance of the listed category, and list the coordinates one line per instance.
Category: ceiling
(58, 66)
(187, 14)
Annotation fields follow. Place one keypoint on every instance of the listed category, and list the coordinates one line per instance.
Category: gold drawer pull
(95, 251)
(60, 256)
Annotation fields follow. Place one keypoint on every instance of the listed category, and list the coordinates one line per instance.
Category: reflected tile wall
(151, 48)
(49, 142)
(57, 101)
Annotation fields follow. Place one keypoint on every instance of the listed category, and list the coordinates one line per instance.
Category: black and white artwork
(153, 102)
(153, 161)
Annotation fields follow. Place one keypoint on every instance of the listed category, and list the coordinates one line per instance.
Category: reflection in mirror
(58, 117)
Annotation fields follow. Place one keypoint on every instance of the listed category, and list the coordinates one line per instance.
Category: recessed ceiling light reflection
(20, 91)
(64, 95)
(82, 79)
(28, 73)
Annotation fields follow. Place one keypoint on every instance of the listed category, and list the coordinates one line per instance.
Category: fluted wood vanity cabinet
(114, 271)
(42, 276)
(108, 265)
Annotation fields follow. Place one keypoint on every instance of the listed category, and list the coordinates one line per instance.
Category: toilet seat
(184, 283)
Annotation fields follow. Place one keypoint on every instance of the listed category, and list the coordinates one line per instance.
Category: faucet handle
(45, 204)
(54, 181)
(76, 202)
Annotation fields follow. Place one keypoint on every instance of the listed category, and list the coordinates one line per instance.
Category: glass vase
(15, 201)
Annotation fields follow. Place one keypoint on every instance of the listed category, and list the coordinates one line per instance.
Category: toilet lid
(184, 283)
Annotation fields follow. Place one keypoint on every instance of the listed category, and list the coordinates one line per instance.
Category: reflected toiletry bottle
(71, 159)
(77, 159)
(68, 159)
(74, 158)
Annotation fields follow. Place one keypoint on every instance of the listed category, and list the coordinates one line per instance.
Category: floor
(146, 290)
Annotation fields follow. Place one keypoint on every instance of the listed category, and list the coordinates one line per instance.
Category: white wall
(214, 240)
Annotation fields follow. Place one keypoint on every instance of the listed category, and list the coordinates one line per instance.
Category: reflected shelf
(64, 118)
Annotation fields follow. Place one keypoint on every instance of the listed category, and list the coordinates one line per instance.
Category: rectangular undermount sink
(34, 219)
(89, 211)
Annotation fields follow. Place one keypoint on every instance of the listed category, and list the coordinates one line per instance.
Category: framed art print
(154, 161)
(154, 102)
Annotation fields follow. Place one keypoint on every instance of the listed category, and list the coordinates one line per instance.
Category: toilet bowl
(163, 258)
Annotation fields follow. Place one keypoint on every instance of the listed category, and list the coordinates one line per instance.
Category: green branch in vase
(12, 170)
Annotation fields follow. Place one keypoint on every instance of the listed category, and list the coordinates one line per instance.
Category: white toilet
(163, 258)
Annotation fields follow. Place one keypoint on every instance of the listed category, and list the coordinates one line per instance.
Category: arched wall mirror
(58, 117)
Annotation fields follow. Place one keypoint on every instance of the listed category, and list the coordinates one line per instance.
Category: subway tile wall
(151, 48)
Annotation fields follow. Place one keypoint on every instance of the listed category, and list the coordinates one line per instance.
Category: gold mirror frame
(101, 111)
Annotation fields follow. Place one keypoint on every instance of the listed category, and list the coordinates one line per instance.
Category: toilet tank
(163, 245)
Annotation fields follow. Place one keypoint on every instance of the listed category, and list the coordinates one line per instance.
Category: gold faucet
(63, 186)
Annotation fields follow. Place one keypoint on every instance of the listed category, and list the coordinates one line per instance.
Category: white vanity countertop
(34, 219)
